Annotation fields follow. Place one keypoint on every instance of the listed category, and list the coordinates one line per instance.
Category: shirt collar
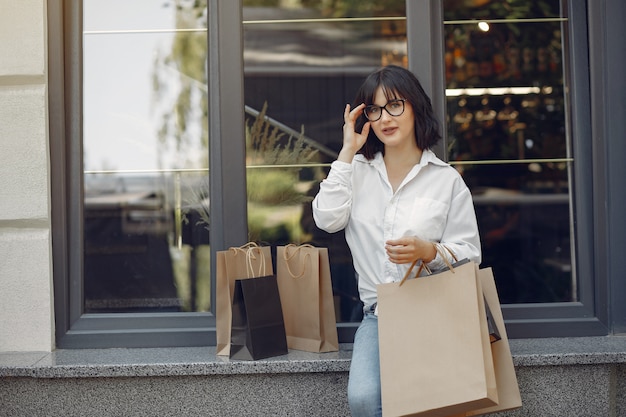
(428, 157)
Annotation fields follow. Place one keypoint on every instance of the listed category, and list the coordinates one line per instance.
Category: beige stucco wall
(26, 300)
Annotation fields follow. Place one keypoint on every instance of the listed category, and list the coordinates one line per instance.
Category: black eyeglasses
(394, 107)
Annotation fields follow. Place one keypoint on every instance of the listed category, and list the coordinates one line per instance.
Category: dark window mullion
(579, 97)
(425, 52)
(227, 170)
(58, 164)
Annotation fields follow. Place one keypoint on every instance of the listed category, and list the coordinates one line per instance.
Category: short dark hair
(398, 82)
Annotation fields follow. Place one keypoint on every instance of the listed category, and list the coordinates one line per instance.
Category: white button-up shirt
(432, 203)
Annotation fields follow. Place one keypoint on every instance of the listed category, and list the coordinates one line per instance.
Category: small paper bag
(247, 261)
(257, 330)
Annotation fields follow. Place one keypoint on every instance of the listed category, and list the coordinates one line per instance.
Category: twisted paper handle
(439, 248)
(249, 250)
(288, 257)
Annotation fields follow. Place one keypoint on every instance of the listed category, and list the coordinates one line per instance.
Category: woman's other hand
(409, 248)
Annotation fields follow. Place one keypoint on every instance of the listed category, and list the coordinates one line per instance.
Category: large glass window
(131, 164)
(508, 134)
(506, 120)
(303, 62)
(145, 157)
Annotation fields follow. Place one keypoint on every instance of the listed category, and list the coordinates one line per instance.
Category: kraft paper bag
(257, 330)
(509, 396)
(306, 294)
(494, 331)
(435, 352)
(247, 261)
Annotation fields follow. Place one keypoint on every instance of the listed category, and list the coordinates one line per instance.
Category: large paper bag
(435, 354)
(247, 261)
(257, 330)
(506, 380)
(306, 294)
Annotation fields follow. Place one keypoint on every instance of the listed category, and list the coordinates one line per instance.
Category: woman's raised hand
(352, 141)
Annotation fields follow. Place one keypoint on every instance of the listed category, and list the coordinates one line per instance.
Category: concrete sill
(94, 363)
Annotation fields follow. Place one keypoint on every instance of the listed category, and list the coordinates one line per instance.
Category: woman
(395, 199)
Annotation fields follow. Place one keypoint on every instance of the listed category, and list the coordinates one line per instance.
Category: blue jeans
(364, 378)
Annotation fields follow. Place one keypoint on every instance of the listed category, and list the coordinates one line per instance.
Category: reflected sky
(126, 42)
(120, 118)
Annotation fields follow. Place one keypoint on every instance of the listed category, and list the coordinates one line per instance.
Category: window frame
(599, 227)
(227, 185)
(607, 51)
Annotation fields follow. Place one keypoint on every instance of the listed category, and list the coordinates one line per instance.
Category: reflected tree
(180, 89)
(500, 9)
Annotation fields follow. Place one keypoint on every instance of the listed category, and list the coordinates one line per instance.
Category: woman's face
(394, 131)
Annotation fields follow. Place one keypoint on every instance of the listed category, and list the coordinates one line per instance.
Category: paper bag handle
(288, 257)
(248, 249)
(438, 248)
(250, 256)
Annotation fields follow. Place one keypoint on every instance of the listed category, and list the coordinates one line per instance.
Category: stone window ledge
(86, 363)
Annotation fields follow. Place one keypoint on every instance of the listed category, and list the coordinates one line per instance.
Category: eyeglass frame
(395, 100)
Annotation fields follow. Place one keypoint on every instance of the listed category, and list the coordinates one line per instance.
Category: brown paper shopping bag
(306, 294)
(509, 396)
(435, 354)
(247, 261)
(506, 380)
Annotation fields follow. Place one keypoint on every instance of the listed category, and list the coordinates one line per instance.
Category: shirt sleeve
(333, 202)
(460, 235)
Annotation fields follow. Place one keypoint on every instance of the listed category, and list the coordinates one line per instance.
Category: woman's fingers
(352, 138)
(401, 250)
(366, 130)
(350, 116)
(409, 248)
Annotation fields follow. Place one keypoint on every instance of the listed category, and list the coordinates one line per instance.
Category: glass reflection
(508, 136)
(505, 83)
(302, 64)
(145, 157)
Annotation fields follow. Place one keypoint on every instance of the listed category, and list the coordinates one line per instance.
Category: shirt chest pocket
(427, 219)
